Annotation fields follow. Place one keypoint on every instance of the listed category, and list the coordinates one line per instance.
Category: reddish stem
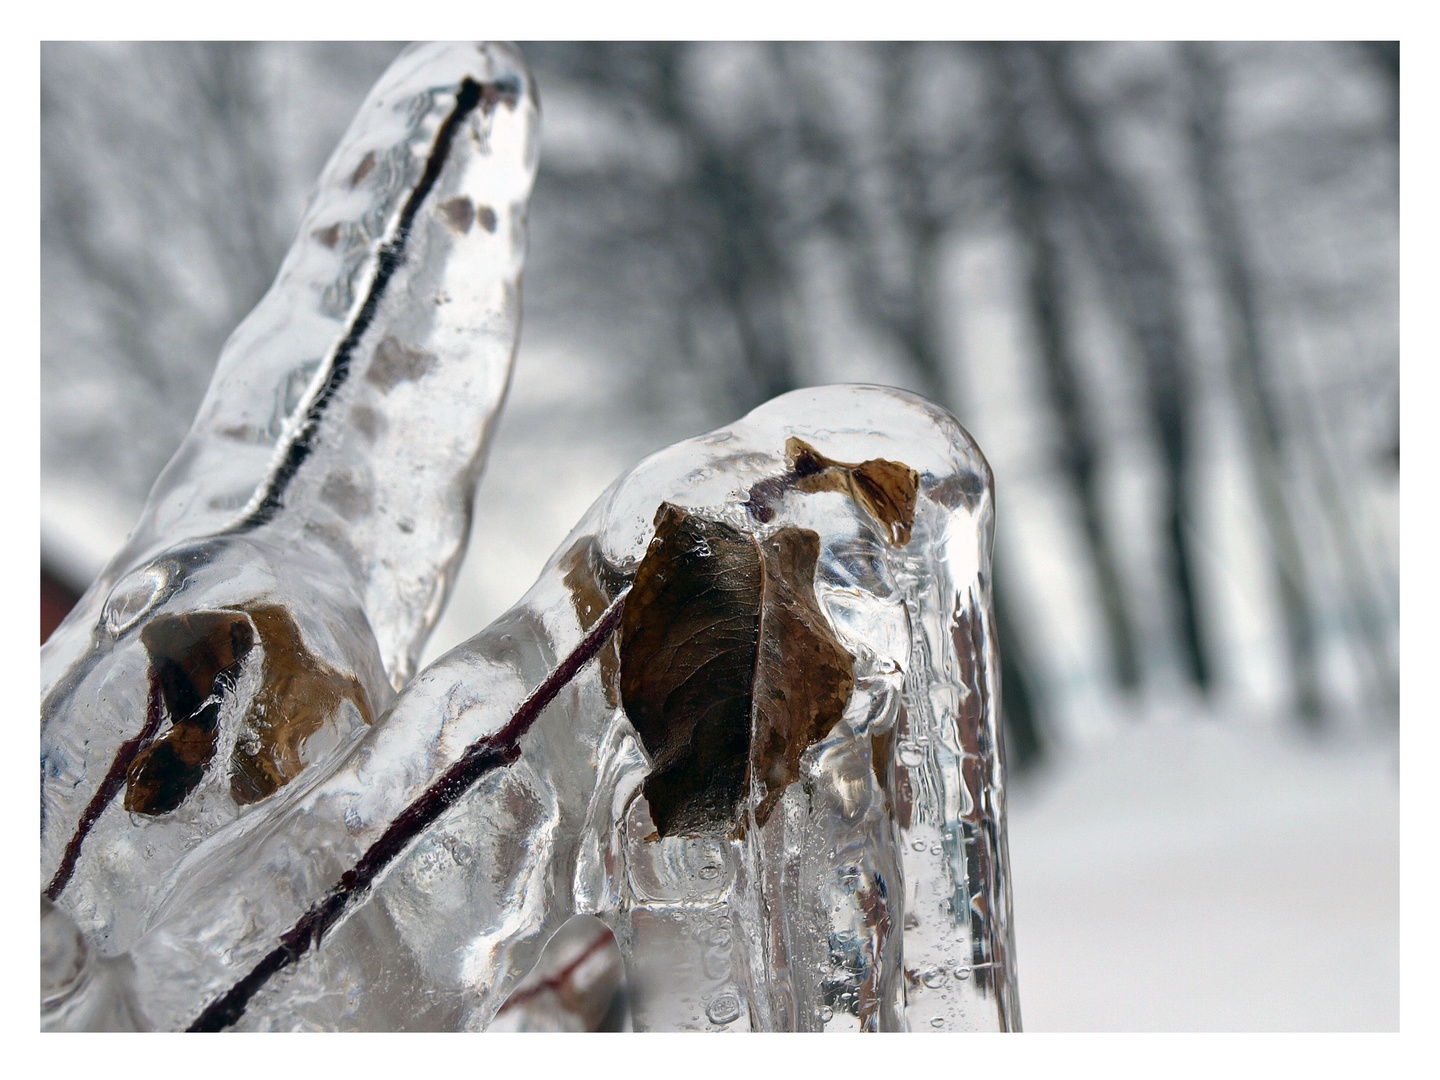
(108, 789)
(484, 754)
(561, 977)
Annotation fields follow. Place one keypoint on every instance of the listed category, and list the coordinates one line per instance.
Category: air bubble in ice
(723, 1009)
(934, 978)
(131, 598)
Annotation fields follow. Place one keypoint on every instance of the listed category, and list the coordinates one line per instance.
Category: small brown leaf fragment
(728, 669)
(364, 169)
(458, 213)
(886, 489)
(498, 93)
(197, 658)
(881, 744)
(395, 363)
(164, 774)
(298, 694)
(591, 593)
(804, 676)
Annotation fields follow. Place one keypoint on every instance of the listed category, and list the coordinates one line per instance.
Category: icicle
(296, 552)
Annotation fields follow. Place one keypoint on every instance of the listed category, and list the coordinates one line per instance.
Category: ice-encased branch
(324, 491)
(486, 753)
(875, 896)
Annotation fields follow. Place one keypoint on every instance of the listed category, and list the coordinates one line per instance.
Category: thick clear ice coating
(874, 895)
(296, 552)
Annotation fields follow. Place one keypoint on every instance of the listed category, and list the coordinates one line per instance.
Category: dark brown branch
(392, 255)
(481, 756)
(108, 789)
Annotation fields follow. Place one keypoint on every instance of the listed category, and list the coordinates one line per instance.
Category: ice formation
(787, 808)
(875, 895)
(289, 564)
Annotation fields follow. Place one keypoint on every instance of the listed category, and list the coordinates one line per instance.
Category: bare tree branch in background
(718, 226)
(1385, 57)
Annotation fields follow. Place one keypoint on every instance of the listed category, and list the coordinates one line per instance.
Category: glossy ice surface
(322, 497)
(245, 649)
(876, 896)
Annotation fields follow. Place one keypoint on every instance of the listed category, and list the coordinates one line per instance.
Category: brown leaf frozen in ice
(592, 590)
(688, 643)
(804, 675)
(198, 660)
(728, 669)
(886, 489)
(298, 694)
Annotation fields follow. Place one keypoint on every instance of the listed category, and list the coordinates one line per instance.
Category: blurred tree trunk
(1141, 278)
(1244, 351)
(1384, 56)
(1249, 367)
(716, 210)
(1033, 211)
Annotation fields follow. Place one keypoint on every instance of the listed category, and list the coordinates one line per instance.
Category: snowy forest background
(1158, 283)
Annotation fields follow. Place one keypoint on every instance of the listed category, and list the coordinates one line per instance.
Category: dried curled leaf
(198, 658)
(298, 694)
(592, 589)
(728, 668)
(886, 489)
(804, 675)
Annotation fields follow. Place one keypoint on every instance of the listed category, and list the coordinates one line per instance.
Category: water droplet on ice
(131, 597)
(723, 1009)
(937, 1021)
(826, 1014)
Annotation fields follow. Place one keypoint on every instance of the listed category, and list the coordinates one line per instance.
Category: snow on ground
(1192, 875)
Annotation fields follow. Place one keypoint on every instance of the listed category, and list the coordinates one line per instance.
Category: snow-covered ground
(1194, 875)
